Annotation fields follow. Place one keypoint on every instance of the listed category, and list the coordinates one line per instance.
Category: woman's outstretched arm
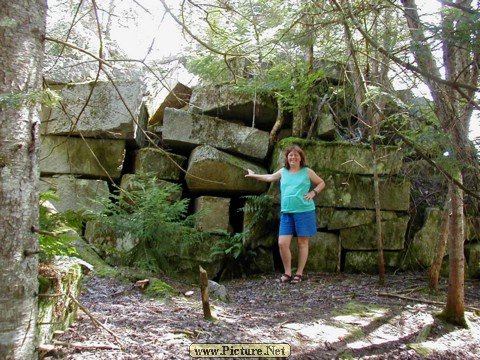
(265, 177)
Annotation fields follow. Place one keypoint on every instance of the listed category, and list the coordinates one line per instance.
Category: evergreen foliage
(148, 213)
(421, 127)
(46, 97)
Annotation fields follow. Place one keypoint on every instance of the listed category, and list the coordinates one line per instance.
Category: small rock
(218, 291)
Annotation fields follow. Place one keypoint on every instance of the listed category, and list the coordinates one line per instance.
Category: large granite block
(214, 172)
(94, 158)
(184, 130)
(99, 109)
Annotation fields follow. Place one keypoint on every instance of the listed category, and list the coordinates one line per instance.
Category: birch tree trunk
(22, 29)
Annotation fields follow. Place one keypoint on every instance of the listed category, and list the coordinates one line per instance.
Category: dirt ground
(327, 316)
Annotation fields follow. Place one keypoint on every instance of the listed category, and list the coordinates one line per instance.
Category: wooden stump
(207, 314)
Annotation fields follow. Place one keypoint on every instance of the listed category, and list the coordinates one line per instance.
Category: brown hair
(303, 161)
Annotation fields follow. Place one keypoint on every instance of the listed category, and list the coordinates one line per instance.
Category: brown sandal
(283, 280)
(296, 279)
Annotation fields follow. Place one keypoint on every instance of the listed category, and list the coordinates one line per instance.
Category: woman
(297, 209)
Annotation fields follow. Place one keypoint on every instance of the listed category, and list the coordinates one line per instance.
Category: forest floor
(327, 316)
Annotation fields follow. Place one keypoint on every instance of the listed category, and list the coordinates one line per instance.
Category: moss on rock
(159, 289)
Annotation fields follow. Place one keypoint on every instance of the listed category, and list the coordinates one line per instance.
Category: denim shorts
(299, 224)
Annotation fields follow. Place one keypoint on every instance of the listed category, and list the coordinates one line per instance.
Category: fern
(258, 205)
(233, 245)
(57, 230)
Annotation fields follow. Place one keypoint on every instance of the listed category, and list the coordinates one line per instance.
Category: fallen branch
(409, 291)
(50, 295)
(87, 346)
(424, 301)
(94, 320)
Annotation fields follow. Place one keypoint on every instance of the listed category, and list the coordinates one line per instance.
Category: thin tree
(21, 39)
(453, 105)
(370, 108)
(440, 245)
(453, 102)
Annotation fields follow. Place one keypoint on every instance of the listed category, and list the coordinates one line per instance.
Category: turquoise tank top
(292, 189)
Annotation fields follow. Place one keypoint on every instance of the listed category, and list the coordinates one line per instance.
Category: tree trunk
(454, 312)
(454, 116)
(370, 116)
(21, 58)
(299, 120)
(278, 123)
(357, 80)
(378, 216)
(375, 112)
(441, 244)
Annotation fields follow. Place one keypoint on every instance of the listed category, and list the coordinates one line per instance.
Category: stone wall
(206, 142)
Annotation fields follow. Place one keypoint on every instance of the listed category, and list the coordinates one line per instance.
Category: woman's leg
(302, 253)
(284, 246)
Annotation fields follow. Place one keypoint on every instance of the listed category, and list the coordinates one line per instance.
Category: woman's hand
(250, 173)
(310, 195)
